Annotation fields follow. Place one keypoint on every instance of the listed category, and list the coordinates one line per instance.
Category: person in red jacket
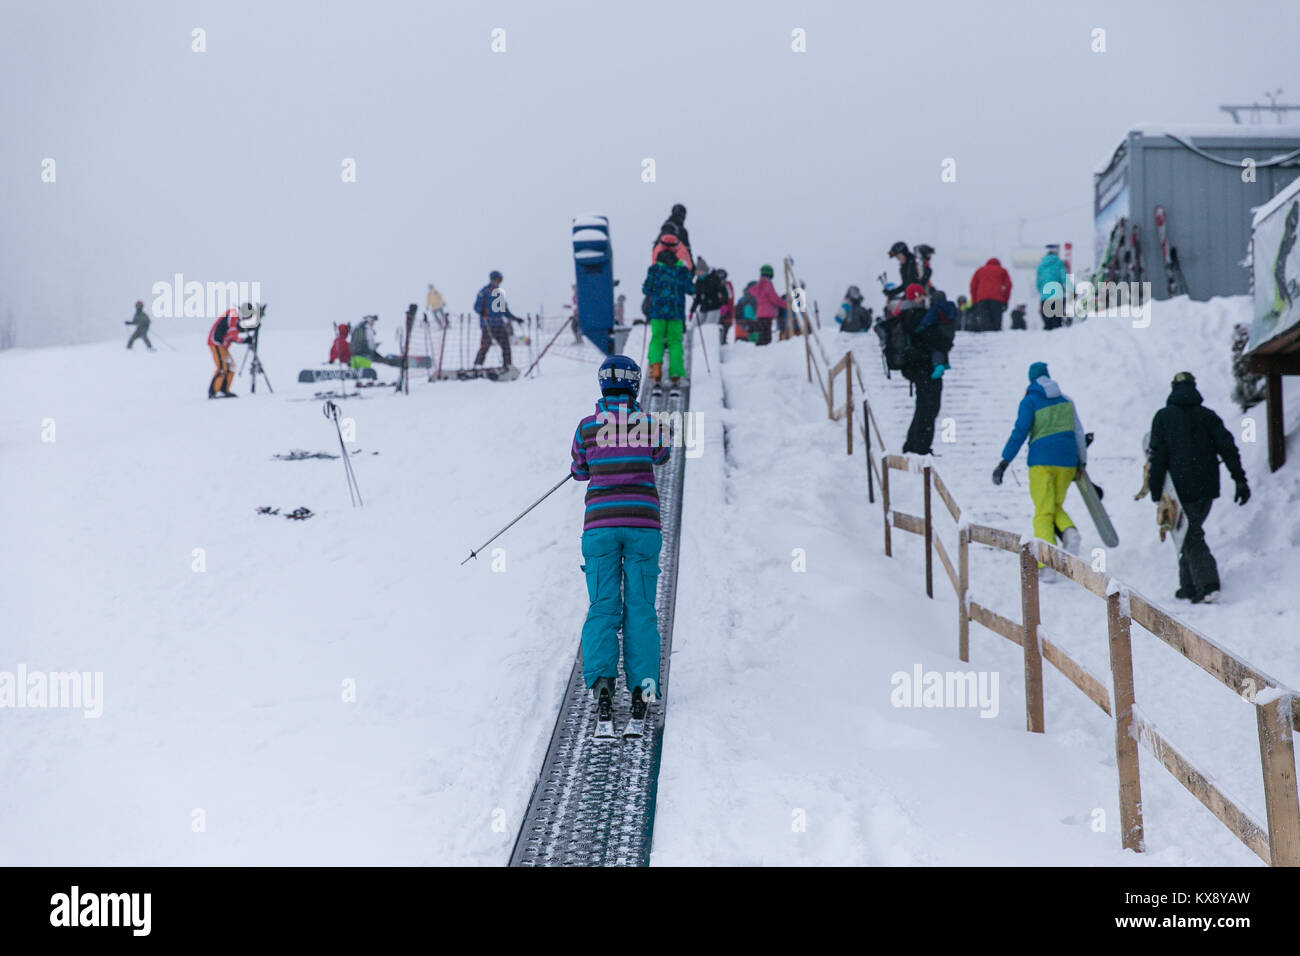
(341, 350)
(224, 333)
(769, 304)
(990, 291)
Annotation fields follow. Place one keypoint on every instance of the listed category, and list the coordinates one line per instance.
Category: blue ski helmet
(618, 373)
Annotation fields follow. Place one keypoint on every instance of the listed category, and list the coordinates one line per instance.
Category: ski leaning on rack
(1175, 284)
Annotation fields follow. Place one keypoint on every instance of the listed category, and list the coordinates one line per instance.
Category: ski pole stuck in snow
(555, 487)
(354, 490)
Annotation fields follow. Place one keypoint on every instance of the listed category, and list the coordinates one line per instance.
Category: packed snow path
(594, 801)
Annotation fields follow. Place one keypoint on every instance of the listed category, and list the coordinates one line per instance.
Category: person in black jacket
(930, 327)
(909, 272)
(676, 224)
(1187, 442)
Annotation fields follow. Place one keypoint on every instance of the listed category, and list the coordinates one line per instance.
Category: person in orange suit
(224, 333)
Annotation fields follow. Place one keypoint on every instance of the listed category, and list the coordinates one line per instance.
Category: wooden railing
(1277, 707)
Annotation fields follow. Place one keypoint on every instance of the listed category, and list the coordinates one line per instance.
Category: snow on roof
(1281, 199)
(1286, 134)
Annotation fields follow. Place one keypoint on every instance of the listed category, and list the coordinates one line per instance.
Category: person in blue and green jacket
(667, 284)
(1058, 449)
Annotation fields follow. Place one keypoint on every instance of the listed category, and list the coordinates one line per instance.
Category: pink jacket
(769, 303)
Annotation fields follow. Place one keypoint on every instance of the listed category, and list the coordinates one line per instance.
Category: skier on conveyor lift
(621, 539)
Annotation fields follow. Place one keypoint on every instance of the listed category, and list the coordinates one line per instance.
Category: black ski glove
(999, 471)
(1243, 492)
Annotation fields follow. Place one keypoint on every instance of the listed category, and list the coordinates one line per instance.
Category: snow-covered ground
(224, 689)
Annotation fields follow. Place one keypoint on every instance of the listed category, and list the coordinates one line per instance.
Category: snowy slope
(1119, 375)
(781, 712)
(223, 689)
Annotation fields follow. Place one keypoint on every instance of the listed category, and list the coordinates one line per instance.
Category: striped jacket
(615, 449)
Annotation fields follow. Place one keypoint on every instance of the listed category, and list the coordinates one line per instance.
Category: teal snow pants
(622, 568)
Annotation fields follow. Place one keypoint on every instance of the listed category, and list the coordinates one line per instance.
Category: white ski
(634, 728)
(604, 730)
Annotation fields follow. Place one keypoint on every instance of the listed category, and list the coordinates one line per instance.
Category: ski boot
(656, 378)
(603, 691)
(636, 723)
(1070, 539)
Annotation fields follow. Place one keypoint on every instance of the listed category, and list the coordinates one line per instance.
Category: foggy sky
(225, 165)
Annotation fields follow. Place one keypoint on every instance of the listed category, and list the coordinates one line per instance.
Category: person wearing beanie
(141, 322)
(1188, 441)
(667, 283)
(616, 450)
(768, 304)
(1058, 449)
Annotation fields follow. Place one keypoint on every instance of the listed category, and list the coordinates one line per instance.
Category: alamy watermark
(950, 689)
(200, 300)
(1087, 299)
(23, 689)
(641, 429)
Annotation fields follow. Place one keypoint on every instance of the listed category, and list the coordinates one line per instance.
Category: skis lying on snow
(297, 514)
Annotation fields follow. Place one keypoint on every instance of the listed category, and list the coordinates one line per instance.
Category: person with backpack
(667, 283)
(621, 539)
(1188, 441)
(767, 304)
(1051, 280)
(710, 292)
(1058, 450)
(676, 225)
(908, 270)
(852, 316)
(990, 291)
(727, 313)
(929, 327)
(493, 315)
(141, 321)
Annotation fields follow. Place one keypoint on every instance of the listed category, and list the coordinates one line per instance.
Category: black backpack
(858, 319)
(893, 342)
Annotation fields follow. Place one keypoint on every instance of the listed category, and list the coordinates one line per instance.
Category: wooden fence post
(866, 433)
(1033, 649)
(929, 539)
(963, 587)
(1126, 745)
(884, 502)
(848, 399)
(1277, 756)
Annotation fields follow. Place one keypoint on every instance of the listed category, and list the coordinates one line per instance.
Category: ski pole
(164, 341)
(539, 358)
(332, 413)
(474, 553)
(703, 347)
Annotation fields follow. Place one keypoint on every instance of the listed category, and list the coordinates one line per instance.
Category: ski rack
(594, 802)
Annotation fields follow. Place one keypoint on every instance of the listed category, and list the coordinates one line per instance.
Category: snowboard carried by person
(1091, 496)
(1170, 519)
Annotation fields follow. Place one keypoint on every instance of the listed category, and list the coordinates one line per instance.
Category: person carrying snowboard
(615, 450)
(1058, 449)
(667, 283)
(141, 322)
(1188, 441)
(493, 315)
(223, 334)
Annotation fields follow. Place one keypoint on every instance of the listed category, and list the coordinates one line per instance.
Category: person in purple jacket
(615, 450)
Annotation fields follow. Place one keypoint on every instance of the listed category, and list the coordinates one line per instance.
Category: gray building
(1197, 175)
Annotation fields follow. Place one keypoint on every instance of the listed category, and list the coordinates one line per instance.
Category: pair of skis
(635, 727)
(1175, 283)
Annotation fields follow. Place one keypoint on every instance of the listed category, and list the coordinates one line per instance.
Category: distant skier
(767, 303)
(365, 346)
(908, 271)
(615, 451)
(990, 290)
(675, 224)
(930, 328)
(141, 321)
(223, 334)
(1058, 448)
(667, 283)
(852, 316)
(1187, 442)
(1051, 280)
(493, 317)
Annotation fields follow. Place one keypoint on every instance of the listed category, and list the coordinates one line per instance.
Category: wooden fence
(1277, 707)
